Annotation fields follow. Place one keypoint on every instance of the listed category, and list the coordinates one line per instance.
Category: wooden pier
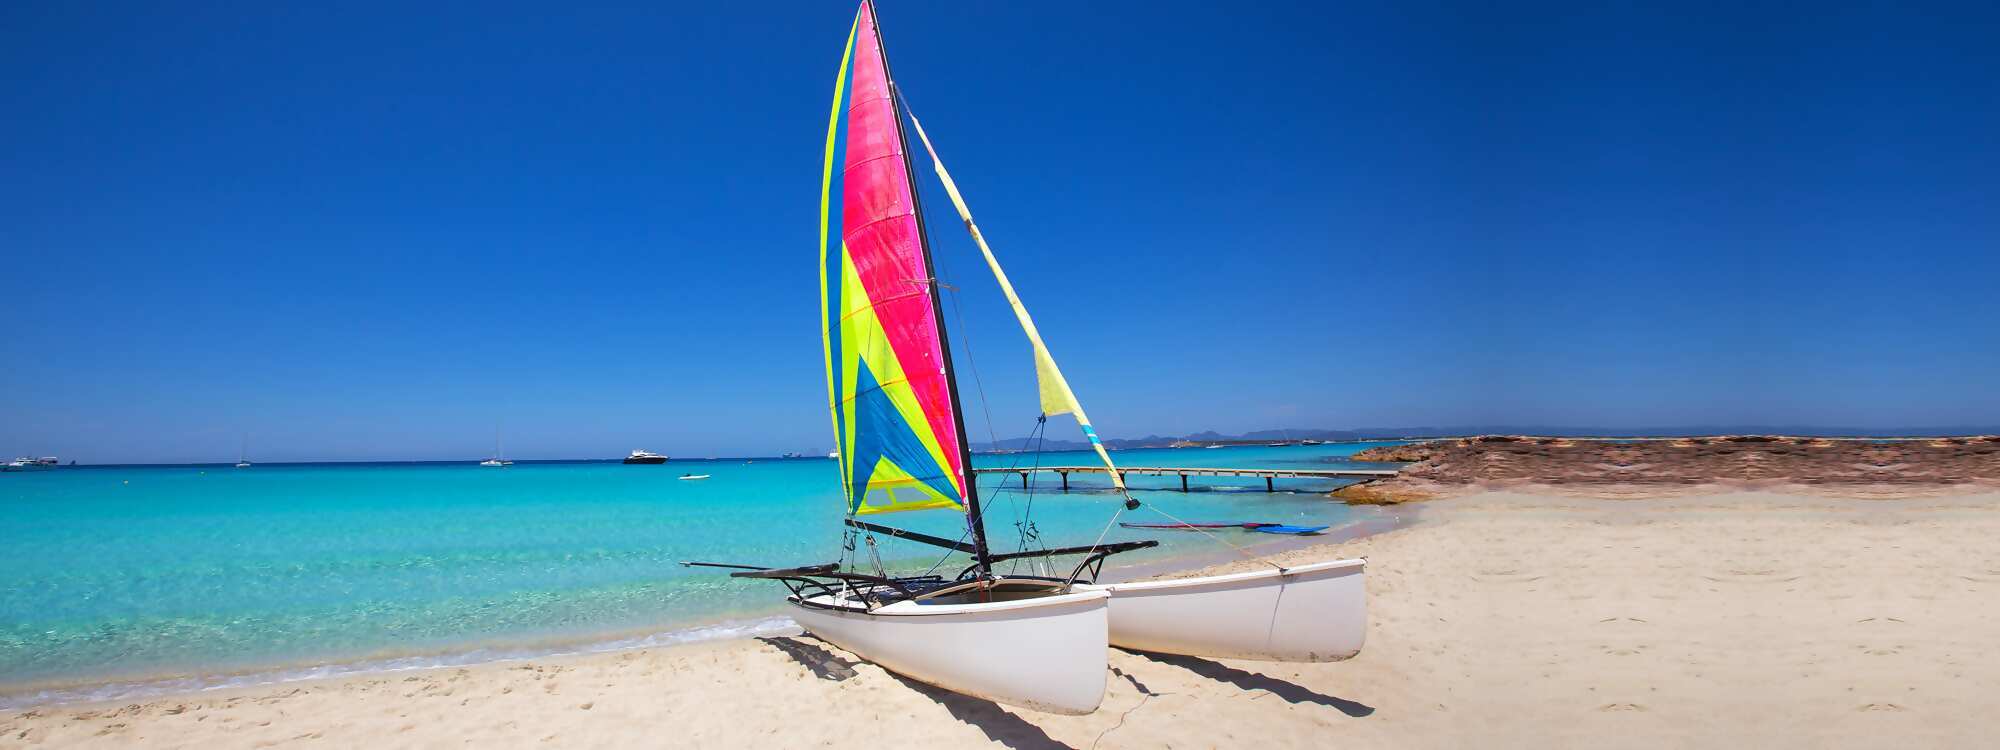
(1270, 475)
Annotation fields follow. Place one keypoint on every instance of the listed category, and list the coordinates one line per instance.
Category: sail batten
(1053, 389)
(896, 426)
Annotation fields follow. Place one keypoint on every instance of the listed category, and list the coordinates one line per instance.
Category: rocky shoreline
(1675, 466)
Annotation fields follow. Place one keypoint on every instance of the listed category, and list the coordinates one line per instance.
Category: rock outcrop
(1651, 467)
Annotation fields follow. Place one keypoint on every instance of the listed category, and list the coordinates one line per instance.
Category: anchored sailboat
(1025, 640)
(496, 460)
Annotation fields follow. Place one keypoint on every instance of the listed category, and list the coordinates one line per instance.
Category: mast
(980, 554)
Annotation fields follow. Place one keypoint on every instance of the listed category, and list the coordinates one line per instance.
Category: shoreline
(114, 690)
(83, 693)
(1502, 619)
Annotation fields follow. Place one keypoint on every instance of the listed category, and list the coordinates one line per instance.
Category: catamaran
(1037, 639)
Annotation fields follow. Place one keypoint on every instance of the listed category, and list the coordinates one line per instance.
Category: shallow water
(133, 578)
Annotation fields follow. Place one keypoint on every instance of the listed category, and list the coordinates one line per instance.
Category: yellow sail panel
(892, 490)
(1056, 396)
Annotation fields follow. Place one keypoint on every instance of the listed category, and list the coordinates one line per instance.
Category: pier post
(1065, 477)
(1184, 483)
(1121, 477)
(1268, 487)
(1024, 480)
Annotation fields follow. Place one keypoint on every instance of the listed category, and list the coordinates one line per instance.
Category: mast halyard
(973, 518)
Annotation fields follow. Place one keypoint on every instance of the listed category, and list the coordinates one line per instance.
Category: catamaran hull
(1311, 613)
(1046, 653)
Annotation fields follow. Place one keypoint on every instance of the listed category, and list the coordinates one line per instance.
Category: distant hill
(1398, 433)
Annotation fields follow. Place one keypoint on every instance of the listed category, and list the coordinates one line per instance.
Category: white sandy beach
(1505, 619)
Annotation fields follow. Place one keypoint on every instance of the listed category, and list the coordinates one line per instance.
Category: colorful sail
(894, 418)
(1056, 396)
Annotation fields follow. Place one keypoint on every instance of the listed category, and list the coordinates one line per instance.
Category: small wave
(141, 689)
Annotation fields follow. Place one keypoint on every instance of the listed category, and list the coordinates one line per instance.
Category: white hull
(30, 464)
(1310, 613)
(1046, 653)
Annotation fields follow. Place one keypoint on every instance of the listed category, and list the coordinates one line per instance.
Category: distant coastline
(1374, 434)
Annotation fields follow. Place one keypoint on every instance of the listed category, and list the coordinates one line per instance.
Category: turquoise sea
(121, 581)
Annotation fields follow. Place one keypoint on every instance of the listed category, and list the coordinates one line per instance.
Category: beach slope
(1502, 620)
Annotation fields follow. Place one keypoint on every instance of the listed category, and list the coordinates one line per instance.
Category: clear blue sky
(375, 230)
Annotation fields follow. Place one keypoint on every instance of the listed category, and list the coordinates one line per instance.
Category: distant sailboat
(496, 460)
(243, 453)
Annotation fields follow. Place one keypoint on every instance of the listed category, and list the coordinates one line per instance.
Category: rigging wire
(1095, 545)
(877, 556)
(947, 556)
(1239, 550)
(965, 340)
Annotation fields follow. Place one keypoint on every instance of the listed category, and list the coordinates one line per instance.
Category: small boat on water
(243, 454)
(690, 477)
(496, 460)
(29, 463)
(645, 457)
(1037, 641)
